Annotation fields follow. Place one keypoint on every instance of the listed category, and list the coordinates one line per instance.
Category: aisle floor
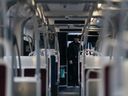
(68, 91)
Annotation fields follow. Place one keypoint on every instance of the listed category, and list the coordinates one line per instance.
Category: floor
(69, 91)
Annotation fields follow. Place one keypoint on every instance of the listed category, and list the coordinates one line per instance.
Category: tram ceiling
(67, 10)
(73, 17)
(71, 14)
(69, 1)
(66, 16)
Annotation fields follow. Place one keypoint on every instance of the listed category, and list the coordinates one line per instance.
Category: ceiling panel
(66, 7)
(67, 15)
(74, 30)
(68, 1)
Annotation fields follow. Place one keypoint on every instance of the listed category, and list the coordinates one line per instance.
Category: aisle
(70, 91)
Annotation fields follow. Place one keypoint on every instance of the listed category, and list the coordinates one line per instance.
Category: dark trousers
(73, 74)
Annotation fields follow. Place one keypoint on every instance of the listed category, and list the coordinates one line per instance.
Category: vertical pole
(4, 34)
(37, 50)
(46, 61)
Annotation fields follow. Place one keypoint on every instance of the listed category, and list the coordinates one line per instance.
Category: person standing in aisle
(73, 50)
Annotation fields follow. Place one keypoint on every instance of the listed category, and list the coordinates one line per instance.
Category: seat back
(25, 86)
(3, 80)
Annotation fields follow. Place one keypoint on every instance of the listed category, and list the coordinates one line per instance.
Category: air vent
(65, 30)
(69, 22)
(79, 25)
(93, 33)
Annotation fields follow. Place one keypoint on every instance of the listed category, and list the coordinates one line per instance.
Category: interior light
(92, 19)
(75, 33)
(99, 5)
(43, 16)
(33, 2)
(39, 12)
